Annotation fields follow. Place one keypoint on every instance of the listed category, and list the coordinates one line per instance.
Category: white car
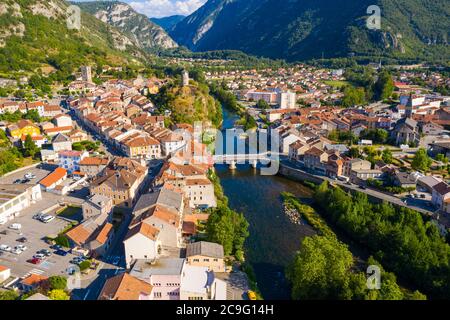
(39, 256)
(16, 251)
(2, 221)
(21, 247)
(47, 218)
(5, 247)
(15, 226)
(30, 176)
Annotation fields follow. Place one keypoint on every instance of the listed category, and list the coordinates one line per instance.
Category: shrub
(84, 265)
(57, 282)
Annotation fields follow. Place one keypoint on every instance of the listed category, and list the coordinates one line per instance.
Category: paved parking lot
(41, 171)
(35, 232)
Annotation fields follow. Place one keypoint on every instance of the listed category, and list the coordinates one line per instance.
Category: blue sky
(164, 8)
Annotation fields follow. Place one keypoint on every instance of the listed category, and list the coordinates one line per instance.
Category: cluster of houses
(121, 115)
(282, 87)
(418, 121)
(43, 133)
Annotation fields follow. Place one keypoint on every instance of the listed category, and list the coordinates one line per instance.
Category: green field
(336, 83)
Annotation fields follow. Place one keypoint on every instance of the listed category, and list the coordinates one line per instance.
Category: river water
(273, 238)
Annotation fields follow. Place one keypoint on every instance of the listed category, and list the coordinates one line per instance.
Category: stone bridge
(253, 159)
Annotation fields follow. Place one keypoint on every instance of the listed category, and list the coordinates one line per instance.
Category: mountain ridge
(145, 34)
(167, 23)
(300, 30)
(34, 33)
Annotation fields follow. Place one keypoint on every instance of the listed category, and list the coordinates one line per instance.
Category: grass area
(336, 83)
(308, 213)
(69, 212)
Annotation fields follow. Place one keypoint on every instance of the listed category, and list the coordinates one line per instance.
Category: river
(273, 238)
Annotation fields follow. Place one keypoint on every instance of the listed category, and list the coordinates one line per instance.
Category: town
(116, 198)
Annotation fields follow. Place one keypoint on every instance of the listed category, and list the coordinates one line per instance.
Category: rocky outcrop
(139, 29)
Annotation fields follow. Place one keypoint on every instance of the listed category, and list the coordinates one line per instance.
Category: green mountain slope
(305, 29)
(34, 33)
(145, 34)
(167, 23)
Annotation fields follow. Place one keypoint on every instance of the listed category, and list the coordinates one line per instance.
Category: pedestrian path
(34, 271)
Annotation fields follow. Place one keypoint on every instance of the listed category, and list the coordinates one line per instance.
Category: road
(371, 192)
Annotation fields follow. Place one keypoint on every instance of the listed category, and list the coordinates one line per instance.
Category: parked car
(16, 251)
(47, 218)
(15, 226)
(34, 261)
(56, 247)
(45, 252)
(38, 216)
(21, 247)
(251, 295)
(5, 247)
(39, 256)
(23, 240)
(60, 253)
(17, 181)
(29, 175)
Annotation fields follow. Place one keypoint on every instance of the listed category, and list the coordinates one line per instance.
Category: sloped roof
(124, 287)
(204, 248)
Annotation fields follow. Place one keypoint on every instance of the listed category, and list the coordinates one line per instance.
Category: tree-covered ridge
(296, 30)
(397, 237)
(189, 104)
(45, 41)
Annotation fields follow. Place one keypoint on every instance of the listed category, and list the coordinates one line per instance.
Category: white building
(200, 193)
(5, 273)
(185, 76)
(287, 100)
(70, 160)
(141, 242)
(16, 197)
(62, 120)
(198, 283)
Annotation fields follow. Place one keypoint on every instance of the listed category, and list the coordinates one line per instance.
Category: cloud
(164, 8)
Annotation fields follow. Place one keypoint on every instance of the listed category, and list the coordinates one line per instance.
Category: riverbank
(239, 255)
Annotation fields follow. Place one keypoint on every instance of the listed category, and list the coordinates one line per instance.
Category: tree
(441, 158)
(58, 294)
(29, 147)
(62, 241)
(387, 156)
(57, 282)
(228, 228)
(8, 295)
(262, 104)
(384, 87)
(421, 161)
(84, 265)
(353, 97)
(321, 269)
(32, 115)
(378, 136)
(354, 152)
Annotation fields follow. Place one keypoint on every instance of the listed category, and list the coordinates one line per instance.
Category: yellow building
(23, 127)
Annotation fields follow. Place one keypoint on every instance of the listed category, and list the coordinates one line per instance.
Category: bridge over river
(241, 158)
